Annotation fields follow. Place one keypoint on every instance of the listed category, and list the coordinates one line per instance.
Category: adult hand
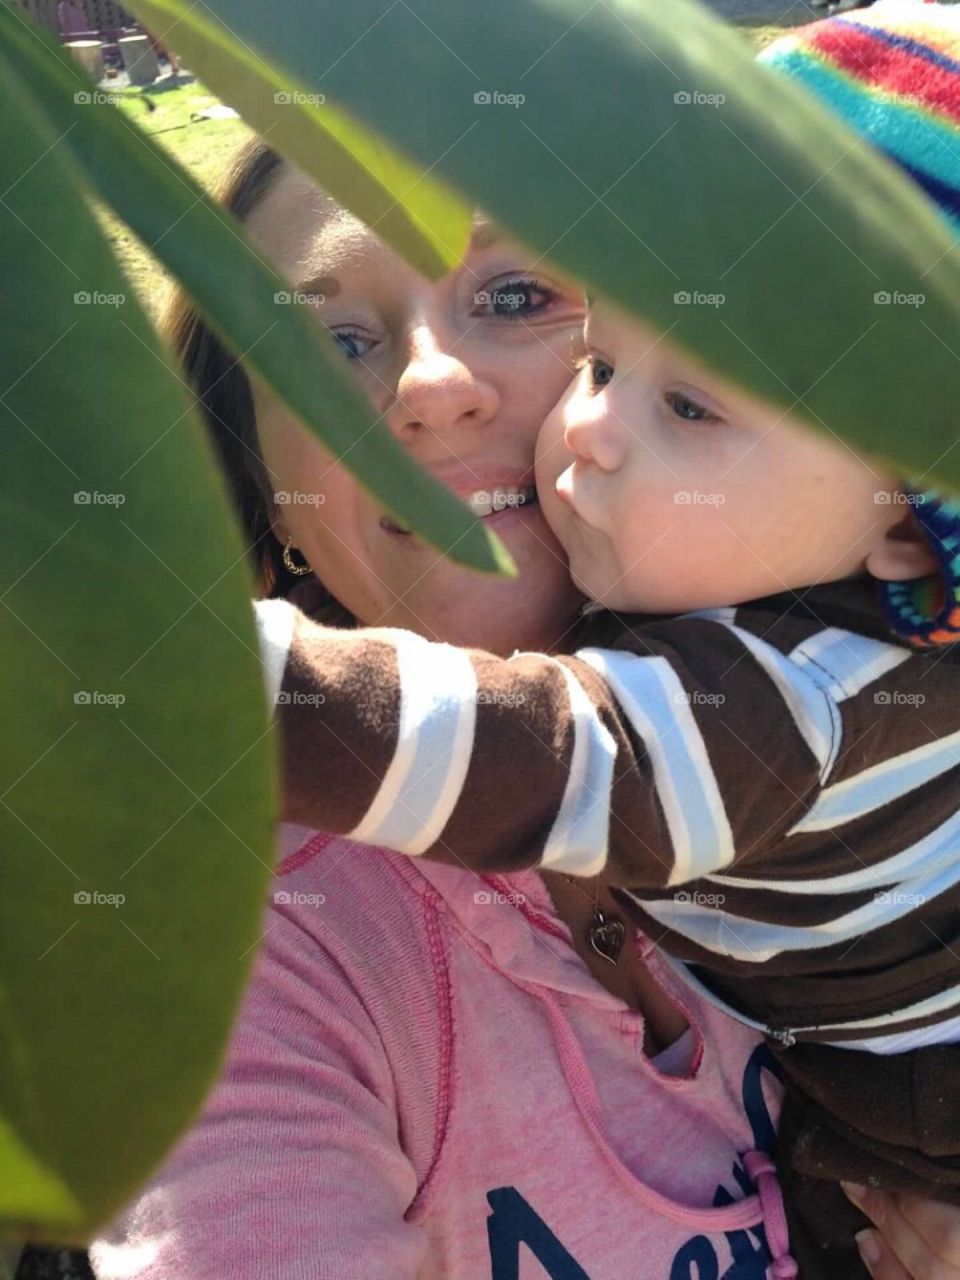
(913, 1238)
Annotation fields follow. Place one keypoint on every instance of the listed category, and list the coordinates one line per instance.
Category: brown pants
(889, 1122)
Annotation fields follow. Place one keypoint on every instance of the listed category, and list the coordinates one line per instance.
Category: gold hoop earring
(298, 570)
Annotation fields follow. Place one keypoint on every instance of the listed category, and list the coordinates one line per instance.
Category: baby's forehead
(633, 342)
(630, 338)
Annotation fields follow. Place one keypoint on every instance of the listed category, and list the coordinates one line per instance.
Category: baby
(737, 743)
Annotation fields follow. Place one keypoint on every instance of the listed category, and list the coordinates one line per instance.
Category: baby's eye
(515, 299)
(687, 409)
(354, 345)
(600, 371)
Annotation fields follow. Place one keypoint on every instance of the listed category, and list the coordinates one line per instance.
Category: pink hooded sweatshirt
(426, 1082)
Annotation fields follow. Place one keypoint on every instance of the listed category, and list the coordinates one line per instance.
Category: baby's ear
(902, 551)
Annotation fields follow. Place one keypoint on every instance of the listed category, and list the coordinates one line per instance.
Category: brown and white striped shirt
(774, 789)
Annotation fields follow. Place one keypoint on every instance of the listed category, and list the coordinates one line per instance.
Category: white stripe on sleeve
(851, 661)
(879, 785)
(658, 707)
(579, 839)
(809, 704)
(438, 716)
(275, 621)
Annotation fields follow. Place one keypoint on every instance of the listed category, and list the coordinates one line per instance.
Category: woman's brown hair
(226, 401)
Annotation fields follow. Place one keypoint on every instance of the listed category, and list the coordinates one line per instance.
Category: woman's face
(463, 371)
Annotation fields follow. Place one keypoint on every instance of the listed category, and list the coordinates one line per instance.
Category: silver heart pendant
(607, 937)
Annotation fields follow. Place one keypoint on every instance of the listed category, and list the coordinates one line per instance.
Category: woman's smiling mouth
(485, 503)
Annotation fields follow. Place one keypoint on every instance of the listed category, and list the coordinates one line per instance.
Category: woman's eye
(687, 409)
(515, 299)
(354, 345)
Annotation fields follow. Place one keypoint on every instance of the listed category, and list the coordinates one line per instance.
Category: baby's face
(671, 490)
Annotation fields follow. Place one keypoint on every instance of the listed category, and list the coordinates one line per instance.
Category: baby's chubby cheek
(551, 457)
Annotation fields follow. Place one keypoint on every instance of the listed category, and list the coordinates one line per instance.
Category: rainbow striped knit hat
(892, 72)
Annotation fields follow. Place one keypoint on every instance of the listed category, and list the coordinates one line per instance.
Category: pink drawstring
(763, 1174)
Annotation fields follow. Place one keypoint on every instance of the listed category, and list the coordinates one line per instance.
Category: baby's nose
(597, 437)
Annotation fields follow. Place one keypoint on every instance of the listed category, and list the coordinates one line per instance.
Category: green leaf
(203, 246)
(764, 198)
(409, 207)
(136, 778)
(26, 1184)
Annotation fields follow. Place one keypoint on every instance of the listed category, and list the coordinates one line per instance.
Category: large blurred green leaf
(623, 166)
(283, 344)
(136, 770)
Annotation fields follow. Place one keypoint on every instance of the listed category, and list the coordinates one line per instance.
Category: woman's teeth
(487, 502)
(483, 503)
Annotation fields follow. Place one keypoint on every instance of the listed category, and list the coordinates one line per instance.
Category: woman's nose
(594, 434)
(438, 390)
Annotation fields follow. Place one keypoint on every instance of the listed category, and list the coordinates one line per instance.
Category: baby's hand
(915, 1238)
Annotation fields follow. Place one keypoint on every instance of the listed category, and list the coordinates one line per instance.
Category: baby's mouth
(483, 503)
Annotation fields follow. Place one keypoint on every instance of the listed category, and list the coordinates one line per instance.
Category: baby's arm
(624, 761)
